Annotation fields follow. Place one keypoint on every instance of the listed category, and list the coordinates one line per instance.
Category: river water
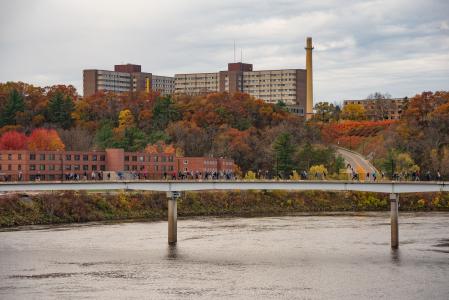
(303, 257)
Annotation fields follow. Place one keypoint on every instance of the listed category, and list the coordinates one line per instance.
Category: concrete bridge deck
(391, 187)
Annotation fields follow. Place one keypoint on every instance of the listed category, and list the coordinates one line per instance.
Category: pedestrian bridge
(173, 189)
(390, 187)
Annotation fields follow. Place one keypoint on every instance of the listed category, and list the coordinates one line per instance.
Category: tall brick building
(125, 78)
(272, 86)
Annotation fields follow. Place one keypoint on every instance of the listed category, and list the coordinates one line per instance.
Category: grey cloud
(400, 47)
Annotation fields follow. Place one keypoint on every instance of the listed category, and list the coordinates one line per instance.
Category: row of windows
(142, 168)
(66, 167)
(143, 158)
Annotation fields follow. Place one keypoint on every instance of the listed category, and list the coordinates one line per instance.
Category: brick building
(272, 86)
(125, 78)
(382, 109)
(153, 163)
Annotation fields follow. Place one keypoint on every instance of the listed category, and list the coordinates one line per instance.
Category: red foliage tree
(45, 139)
(13, 140)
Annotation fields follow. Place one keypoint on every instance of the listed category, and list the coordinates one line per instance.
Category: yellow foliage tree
(250, 175)
(294, 176)
(318, 171)
(125, 120)
(353, 112)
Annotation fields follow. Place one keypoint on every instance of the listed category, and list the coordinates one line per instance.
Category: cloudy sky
(395, 46)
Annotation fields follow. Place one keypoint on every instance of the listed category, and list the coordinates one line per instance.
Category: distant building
(382, 109)
(152, 163)
(125, 79)
(272, 86)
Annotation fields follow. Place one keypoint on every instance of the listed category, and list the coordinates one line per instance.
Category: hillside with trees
(261, 137)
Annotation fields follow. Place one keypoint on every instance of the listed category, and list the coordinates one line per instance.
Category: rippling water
(311, 257)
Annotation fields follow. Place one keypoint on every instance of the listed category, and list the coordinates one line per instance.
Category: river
(294, 257)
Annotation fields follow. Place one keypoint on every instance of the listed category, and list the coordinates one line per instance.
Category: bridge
(174, 188)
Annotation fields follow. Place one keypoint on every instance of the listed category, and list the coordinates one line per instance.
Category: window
(94, 157)
(170, 158)
(41, 156)
(102, 157)
(76, 167)
(134, 167)
(164, 158)
(85, 157)
(51, 157)
(134, 158)
(9, 156)
(51, 167)
(94, 167)
(32, 156)
(68, 157)
(156, 158)
(19, 156)
(126, 158)
(42, 167)
(102, 167)
(141, 158)
(9, 167)
(19, 167)
(85, 168)
(170, 168)
(77, 157)
(156, 168)
(142, 168)
(186, 161)
(68, 167)
(32, 167)
(126, 167)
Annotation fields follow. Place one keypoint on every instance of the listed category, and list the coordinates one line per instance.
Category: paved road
(356, 160)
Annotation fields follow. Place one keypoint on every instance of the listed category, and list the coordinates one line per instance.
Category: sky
(400, 47)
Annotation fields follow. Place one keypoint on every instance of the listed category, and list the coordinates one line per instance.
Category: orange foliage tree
(13, 140)
(45, 139)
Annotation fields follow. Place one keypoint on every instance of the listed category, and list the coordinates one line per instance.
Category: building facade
(125, 79)
(382, 109)
(153, 163)
(272, 86)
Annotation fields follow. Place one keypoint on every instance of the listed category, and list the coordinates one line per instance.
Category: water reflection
(172, 252)
(395, 256)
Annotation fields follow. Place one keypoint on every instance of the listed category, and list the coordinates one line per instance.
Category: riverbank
(76, 207)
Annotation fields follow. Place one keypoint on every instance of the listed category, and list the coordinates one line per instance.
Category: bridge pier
(394, 204)
(172, 218)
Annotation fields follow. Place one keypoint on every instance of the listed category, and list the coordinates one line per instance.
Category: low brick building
(155, 162)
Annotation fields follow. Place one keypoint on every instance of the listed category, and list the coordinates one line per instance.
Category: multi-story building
(272, 86)
(382, 109)
(153, 163)
(125, 78)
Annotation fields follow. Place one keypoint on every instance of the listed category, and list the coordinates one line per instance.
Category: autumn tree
(15, 104)
(353, 112)
(382, 105)
(45, 139)
(324, 112)
(13, 140)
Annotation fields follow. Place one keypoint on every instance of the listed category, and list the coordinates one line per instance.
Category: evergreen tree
(283, 149)
(60, 110)
(14, 105)
(164, 112)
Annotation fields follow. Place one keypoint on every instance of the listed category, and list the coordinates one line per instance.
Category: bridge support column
(172, 218)
(394, 204)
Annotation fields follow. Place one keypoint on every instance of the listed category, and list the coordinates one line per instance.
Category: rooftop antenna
(234, 50)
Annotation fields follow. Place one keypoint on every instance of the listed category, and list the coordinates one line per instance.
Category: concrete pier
(172, 219)
(394, 201)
